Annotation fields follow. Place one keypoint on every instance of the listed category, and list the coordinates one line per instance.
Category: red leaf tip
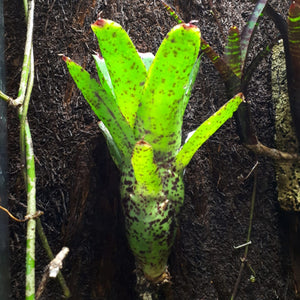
(65, 58)
(190, 25)
(100, 22)
(142, 143)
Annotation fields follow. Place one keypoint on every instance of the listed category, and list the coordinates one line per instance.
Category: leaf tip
(100, 23)
(142, 143)
(234, 29)
(241, 95)
(66, 58)
(189, 25)
(294, 10)
(98, 55)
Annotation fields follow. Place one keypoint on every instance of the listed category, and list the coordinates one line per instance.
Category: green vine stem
(27, 157)
(6, 98)
(27, 153)
(29, 14)
(31, 210)
(23, 109)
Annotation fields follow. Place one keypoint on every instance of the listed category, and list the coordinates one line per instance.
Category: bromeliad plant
(140, 101)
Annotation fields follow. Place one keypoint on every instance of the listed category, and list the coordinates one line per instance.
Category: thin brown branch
(11, 215)
(43, 283)
(252, 170)
(27, 217)
(52, 270)
(273, 153)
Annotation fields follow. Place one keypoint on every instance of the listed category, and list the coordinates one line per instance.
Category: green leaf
(249, 29)
(126, 69)
(103, 74)
(189, 86)
(232, 54)
(205, 130)
(159, 118)
(104, 106)
(145, 169)
(112, 147)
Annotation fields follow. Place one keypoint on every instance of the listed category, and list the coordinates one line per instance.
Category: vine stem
(244, 258)
(23, 115)
(29, 8)
(31, 210)
(27, 158)
(27, 153)
(6, 97)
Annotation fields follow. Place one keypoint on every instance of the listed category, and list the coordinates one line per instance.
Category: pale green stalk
(31, 210)
(23, 114)
(25, 4)
(6, 98)
(29, 14)
(27, 155)
(30, 180)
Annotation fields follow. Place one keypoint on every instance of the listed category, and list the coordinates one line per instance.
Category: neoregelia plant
(140, 101)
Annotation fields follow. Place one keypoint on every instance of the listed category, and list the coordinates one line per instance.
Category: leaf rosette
(140, 100)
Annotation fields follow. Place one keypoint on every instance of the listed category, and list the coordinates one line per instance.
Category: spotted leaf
(103, 74)
(205, 130)
(159, 117)
(145, 169)
(104, 106)
(126, 69)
